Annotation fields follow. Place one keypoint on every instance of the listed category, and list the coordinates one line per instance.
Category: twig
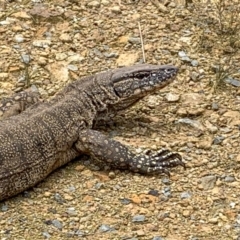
(141, 38)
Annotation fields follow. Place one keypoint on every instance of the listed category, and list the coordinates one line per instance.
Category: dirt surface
(47, 44)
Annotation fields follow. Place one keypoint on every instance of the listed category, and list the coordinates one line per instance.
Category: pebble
(186, 59)
(97, 52)
(46, 235)
(112, 175)
(208, 182)
(25, 58)
(194, 76)
(21, 15)
(166, 181)
(18, 89)
(185, 195)
(186, 213)
(194, 63)
(234, 82)
(193, 123)
(167, 192)
(140, 233)
(19, 38)
(56, 223)
(164, 215)
(158, 238)
(71, 211)
(8, 21)
(68, 197)
(4, 208)
(76, 58)
(138, 218)
(171, 97)
(94, 4)
(229, 179)
(218, 140)
(125, 201)
(105, 2)
(134, 40)
(71, 189)
(182, 54)
(60, 56)
(153, 192)
(59, 198)
(106, 228)
(232, 204)
(79, 233)
(85, 219)
(172, 215)
(73, 68)
(192, 99)
(16, 46)
(116, 9)
(65, 37)
(41, 43)
(215, 106)
(111, 55)
(213, 220)
(99, 186)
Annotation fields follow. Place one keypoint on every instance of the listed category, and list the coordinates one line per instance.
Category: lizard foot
(157, 162)
(102, 148)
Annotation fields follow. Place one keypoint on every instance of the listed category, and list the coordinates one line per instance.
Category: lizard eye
(169, 70)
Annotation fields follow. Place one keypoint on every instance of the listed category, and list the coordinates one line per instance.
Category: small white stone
(19, 38)
(116, 9)
(170, 97)
(60, 56)
(65, 37)
(94, 4)
(72, 67)
(41, 43)
(105, 2)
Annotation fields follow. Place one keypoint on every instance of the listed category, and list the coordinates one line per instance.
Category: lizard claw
(157, 162)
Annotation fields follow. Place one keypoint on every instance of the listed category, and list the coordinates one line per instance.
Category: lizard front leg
(116, 154)
(17, 103)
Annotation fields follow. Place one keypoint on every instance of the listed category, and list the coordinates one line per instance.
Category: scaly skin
(48, 135)
(17, 103)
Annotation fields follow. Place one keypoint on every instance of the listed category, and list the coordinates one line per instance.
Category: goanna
(48, 135)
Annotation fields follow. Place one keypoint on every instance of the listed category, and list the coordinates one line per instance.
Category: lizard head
(131, 84)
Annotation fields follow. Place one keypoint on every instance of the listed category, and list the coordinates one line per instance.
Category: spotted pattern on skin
(119, 156)
(17, 103)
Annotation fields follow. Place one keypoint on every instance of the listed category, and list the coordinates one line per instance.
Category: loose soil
(47, 44)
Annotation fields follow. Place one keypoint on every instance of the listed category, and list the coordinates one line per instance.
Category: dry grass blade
(140, 33)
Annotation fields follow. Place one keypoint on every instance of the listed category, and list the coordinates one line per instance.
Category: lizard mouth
(140, 83)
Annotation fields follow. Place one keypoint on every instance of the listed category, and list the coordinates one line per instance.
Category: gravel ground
(47, 44)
